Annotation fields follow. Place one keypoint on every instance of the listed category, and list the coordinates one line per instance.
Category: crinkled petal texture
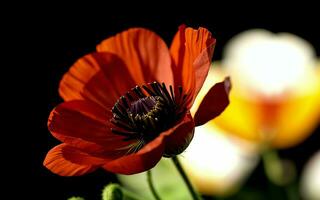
(95, 78)
(89, 143)
(137, 54)
(60, 161)
(191, 52)
(145, 54)
(85, 126)
(151, 153)
(95, 82)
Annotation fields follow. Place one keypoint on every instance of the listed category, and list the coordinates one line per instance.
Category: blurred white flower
(310, 180)
(217, 163)
(269, 63)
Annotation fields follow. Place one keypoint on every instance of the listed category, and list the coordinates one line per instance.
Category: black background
(48, 41)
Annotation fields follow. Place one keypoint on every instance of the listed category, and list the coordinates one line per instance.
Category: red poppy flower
(127, 104)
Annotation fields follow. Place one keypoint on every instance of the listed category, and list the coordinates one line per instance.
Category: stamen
(143, 105)
(123, 133)
(167, 95)
(121, 124)
(124, 101)
(117, 112)
(152, 122)
(148, 90)
(154, 86)
(120, 111)
(129, 96)
(182, 97)
(171, 92)
(180, 90)
(138, 91)
(135, 146)
(146, 111)
(121, 108)
(134, 125)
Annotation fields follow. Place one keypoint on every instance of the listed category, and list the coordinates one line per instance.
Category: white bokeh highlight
(216, 162)
(269, 63)
(310, 180)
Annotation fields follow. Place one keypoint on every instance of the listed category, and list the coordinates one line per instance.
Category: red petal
(138, 162)
(179, 137)
(84, 125)
(73, 82)
(214, 103)
(192, 51)
(174, 140)
(59, 161)
(145, 54)
(97, 77)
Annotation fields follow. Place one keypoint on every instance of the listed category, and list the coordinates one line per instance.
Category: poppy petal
(95, 77)
(179, 137)
(191, 51)
(73, 82)
(214, 103)
(84, 125)
(144, 53)
(59, 161)
(138, 162)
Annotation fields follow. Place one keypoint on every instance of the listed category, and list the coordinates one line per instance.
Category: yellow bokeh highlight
(295, 116)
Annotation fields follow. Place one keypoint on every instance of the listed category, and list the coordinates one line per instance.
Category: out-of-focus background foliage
(221, 162)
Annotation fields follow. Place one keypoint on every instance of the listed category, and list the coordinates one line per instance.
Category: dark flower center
(144, 112)
(144, 105)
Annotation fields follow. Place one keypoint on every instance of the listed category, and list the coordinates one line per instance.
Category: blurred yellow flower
(275, 98)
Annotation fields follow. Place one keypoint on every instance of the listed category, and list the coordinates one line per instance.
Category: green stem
(272, 166)
(184, 176)
(151, 186)
(291, 192)
(278, 173)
